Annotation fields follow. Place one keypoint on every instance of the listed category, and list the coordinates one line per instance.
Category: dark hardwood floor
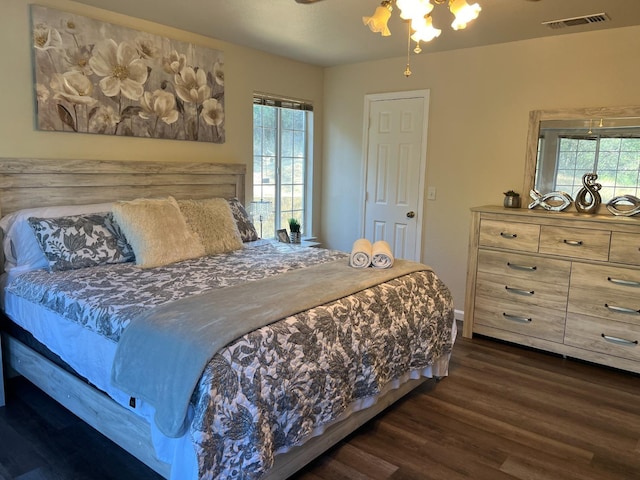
(504, 413)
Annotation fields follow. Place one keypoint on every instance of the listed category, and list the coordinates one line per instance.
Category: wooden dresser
(559, 281)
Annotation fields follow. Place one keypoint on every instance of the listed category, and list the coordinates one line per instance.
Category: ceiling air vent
(574, 21)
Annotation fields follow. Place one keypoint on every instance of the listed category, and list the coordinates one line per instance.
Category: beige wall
(246, 71)
(479, 105)
(480, 99)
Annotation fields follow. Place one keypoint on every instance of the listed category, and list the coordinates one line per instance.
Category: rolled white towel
(360, 253)
(381, 256)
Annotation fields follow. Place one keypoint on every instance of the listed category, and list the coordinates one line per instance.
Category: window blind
(271, 101)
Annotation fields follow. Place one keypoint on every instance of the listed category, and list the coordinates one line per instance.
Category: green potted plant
(511, 199)
(294, 228)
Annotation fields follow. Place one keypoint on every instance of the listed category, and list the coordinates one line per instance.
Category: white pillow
(213, 221)
(21, 249)
(157, 231)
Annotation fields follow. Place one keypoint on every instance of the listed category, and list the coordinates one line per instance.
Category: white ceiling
(331, 32)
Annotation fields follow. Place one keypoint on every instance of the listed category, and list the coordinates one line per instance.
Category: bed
(247, 415)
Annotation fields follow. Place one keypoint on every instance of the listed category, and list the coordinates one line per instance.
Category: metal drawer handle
(508, 235)
(573, 243)
(614, 308)
(519, 291)
(627, 283)
(621, 341)
(517, 318)
(521, 267)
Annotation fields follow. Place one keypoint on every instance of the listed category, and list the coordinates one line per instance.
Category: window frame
(276, 217)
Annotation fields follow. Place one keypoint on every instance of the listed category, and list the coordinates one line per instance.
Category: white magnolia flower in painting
(212, 112)
(147, 50)
(46, 38)
(69, 25)
(191, 86)
(121, 68)
(73, 87)
(174, 63)
(103, 118)
(42, 93)
(218, 73)
(160, 103)
(78, 59)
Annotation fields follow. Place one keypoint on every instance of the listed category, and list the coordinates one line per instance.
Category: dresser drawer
(532, 321)
(524, 266)
(523, 291)
(575, 242)
(625, 248)
(605, 291)
(509, 235)
(603, 336)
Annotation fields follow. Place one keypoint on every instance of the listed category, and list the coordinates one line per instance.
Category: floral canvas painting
(96, 77)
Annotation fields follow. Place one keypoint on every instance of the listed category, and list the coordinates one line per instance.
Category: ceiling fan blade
(307, 1)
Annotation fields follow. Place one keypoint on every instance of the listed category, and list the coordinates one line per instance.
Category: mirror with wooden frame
(564, 144)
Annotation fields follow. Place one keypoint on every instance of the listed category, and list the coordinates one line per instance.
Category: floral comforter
(268, 390)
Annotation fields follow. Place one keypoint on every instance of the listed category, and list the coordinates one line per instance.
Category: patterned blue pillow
(245, 225)
(81, 241)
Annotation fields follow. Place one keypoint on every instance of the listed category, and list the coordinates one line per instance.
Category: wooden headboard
(27, 183)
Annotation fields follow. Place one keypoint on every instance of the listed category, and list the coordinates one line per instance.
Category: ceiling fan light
(425, 31)
(413, 9)
(377, 23)
(417, 13)
(463, 12)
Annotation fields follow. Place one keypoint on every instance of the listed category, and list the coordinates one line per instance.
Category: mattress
(273, 388)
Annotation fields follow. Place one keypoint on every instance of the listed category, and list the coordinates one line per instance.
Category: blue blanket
(163, 352)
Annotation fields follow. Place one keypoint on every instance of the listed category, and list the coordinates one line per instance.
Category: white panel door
(396, 156)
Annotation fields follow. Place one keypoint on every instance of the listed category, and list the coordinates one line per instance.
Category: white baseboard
(458, 315)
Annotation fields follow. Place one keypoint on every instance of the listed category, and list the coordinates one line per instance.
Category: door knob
(411, 214)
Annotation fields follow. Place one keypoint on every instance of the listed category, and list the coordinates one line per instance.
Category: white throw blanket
(360, 253)
(381, 256)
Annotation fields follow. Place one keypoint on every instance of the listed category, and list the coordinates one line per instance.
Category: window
(281, 161)
(614, 154)
(615, 159)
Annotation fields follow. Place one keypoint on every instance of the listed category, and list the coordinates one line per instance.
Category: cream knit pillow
(213, 221)
(157, 231)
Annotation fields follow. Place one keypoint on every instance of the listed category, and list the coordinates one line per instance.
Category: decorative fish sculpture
(630, 204)
(554, 201)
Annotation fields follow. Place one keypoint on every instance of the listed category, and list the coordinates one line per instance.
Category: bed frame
(26, 183)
